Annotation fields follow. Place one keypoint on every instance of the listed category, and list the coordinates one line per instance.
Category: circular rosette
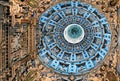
(75, 38)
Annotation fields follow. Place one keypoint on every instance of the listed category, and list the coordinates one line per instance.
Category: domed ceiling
(75, 38)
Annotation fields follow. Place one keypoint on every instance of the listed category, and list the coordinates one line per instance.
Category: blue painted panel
(55, 64)
(43, 19)
(89, 64)
(72, 68)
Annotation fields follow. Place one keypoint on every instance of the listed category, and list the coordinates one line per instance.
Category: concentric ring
(73, 58)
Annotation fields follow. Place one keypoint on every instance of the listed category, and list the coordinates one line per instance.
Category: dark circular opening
(22, 0)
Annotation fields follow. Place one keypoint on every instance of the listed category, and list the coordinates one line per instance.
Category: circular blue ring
(67, 58)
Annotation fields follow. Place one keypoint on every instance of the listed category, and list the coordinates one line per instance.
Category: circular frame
(70, 32)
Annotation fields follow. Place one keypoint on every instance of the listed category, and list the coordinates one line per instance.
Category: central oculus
(74, 33)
